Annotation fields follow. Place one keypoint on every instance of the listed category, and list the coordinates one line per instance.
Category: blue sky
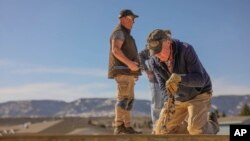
(58, 49)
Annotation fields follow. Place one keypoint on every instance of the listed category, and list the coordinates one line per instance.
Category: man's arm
(195, 77)
(143, 57)
(160, 79)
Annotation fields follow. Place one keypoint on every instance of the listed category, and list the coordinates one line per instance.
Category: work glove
(172, 83)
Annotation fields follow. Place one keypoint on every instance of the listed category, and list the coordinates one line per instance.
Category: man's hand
(172, 83)
(133, 66)
(150, 74)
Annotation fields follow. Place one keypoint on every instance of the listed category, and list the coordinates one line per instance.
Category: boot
(130, 130)
(213, 117)
(120, 130)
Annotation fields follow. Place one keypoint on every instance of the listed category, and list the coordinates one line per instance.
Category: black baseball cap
(127, 12)
(155, 40)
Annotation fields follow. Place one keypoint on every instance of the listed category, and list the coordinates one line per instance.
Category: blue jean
(157, 101)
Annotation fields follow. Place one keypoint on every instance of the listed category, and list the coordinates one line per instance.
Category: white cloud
(10, 64)
(70, 92)
(65, 92)
(25, 68)
(224, 87)
(54, 91)
(4, 63)
(71, 71)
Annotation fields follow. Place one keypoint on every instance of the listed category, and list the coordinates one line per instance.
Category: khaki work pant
(125, 93)
(195, 111)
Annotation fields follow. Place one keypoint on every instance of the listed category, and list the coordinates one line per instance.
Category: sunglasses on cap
(130, 18)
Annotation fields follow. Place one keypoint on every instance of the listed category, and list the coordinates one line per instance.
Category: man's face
(164, 55)
(128, 21)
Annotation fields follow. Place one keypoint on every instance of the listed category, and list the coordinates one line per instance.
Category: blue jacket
(143, 57)
(195, 79)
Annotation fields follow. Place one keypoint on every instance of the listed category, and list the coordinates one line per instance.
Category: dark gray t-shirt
(118, 35)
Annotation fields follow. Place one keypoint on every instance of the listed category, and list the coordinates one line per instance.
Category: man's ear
(122, 20)
(168, 42)
(165, 43)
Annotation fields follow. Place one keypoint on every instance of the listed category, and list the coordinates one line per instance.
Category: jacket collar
(175, 45)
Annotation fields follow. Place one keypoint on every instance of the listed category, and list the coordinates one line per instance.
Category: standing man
(124, 68)
(180, 73)
(157, 96)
